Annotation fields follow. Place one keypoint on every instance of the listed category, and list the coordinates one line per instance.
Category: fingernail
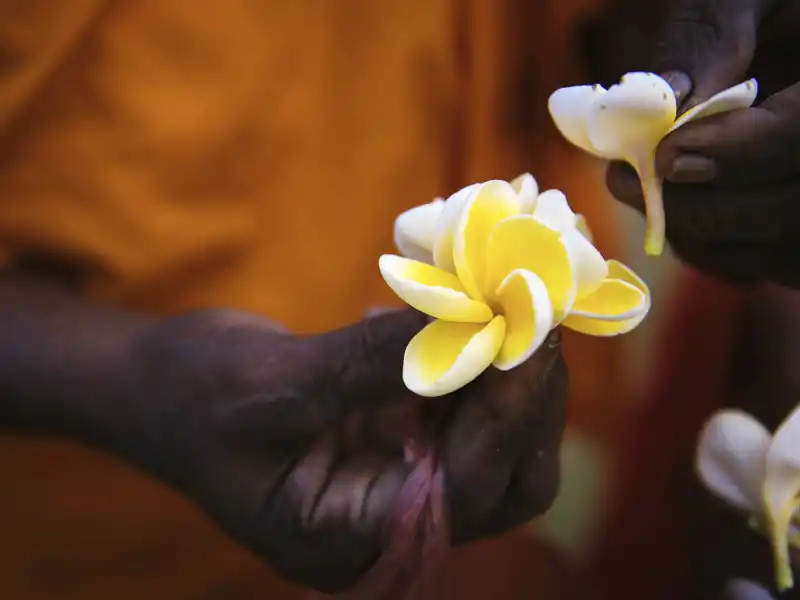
(692, 168)
(554, 339)
(680, 83)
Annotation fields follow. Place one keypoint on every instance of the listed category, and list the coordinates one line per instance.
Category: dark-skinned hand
(732, 188)
(308, 449)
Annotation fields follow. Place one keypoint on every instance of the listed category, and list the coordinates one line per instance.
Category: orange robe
(252, 153)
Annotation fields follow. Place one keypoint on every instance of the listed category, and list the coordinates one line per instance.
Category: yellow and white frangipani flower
(509, 265)
(628, 121)
(757, 473)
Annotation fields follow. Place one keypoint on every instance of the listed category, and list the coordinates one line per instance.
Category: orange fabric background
(254, 153)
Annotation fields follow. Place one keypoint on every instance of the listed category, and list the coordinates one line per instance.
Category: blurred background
(179, 154)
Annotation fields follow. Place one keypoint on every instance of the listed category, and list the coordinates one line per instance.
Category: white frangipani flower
(497, 266)
(757, 473)
(628, 121)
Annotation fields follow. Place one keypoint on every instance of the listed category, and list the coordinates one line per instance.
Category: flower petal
(524, 242)
(529, 317)
(614, 300)
(628, 123)
(780, 491)
(527, 192)
(569, 108)
(495, 201)
(446, 226)
(590, 267)
(431, 290)
(731, 453)
(616, 270)
(632, 117)
(582, 225)
(552, 208)
(734, 98)
(414, 231)
(444, 356)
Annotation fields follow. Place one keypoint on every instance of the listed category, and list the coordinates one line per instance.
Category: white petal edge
(414, 231)
(590, 267)
(553, 208)
(619, 270)
(634, 313)
(527, 190)
(569, 108)
(730, 460)
(734, 98)
(542, 313)
(440, 302)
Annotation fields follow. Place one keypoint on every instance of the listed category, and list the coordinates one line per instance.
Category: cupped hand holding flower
(498, 266)
(628, 121)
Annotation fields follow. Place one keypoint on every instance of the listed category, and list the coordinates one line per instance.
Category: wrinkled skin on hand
(732, 189)
(311, 452)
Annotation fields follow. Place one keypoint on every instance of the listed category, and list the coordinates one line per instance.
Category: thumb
(365, 360)
(330, 376)
(749, 146)
(707, 46)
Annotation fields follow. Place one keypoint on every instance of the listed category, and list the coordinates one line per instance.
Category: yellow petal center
(524, 243)
(482, 212)
(444, 356)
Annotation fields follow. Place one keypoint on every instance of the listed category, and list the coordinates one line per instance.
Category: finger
(315, 382)
(534, 482)
(490, 434)
(743, 234)
(750, 146)
(711, 214)
(324, 526)
(710, 41)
